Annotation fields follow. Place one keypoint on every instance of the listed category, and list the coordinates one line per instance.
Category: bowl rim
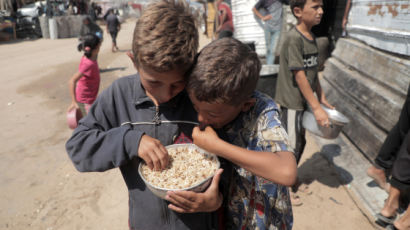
(341, 118)
(336, 116)
(180, 189)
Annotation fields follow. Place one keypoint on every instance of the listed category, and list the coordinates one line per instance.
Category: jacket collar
(140, 96)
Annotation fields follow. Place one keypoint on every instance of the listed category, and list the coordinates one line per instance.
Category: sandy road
(39, 187)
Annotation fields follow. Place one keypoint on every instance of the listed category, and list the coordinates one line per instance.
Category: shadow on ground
(320, 167)
(112, 69)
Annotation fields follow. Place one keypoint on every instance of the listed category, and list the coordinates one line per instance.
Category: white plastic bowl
(198, 187)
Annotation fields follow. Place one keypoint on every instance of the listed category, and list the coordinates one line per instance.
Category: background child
(225, 21)
(272, 23)
(138, 115)
(84, 84)
(298, 77)
(221, 87)
(113, 27)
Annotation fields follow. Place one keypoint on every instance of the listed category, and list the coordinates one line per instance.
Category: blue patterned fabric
(256, 203)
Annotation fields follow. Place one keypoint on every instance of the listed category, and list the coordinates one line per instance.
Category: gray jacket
(108, 137)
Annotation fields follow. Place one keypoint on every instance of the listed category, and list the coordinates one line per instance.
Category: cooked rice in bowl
(189, 168)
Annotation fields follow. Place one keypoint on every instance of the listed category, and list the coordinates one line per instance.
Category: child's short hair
(297, 3)
(88, 43)
(226, 71)
(166, 37)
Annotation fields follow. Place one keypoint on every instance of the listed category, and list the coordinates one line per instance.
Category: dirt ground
(40, 188)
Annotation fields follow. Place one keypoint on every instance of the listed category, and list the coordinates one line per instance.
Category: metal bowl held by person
(337, 122)
(190, 168)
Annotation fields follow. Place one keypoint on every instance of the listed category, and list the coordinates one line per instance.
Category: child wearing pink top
(84, 84)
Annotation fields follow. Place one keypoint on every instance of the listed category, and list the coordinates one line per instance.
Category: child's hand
(266, 17)
(204, 139)
(321, 116)
(324, 101)
(73, 105)
(153, 153)
(189, 202)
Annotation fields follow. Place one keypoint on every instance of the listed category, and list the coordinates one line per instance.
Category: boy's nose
(167, 94)
(202, 119)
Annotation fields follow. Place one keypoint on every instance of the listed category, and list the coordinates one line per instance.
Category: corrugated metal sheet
(247, 27)
(384, 24)
(369, 86)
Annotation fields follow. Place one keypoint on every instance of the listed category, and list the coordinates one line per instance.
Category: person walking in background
(272, 18)
(113, 27)
(84, 84)
(298, 79)
(225, 22)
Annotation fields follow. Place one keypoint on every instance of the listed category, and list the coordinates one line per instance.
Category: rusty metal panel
(384, 24)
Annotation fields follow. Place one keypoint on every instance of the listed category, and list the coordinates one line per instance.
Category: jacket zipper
(163, 205)
(156, 119)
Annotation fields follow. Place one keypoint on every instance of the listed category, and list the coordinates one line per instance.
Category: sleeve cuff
(296, 68)
(131, 142)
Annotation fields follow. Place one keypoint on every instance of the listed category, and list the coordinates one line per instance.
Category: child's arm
(100, 142)
(71, 86)
(307, 92)
(279, 167)
(346, 14)
(119, 24)
(259, 15)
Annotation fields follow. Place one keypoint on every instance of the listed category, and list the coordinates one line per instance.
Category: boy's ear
(131, 56)
(297, 11)
(248, 104)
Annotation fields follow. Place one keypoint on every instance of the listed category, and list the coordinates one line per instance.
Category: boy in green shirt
(298, 76)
